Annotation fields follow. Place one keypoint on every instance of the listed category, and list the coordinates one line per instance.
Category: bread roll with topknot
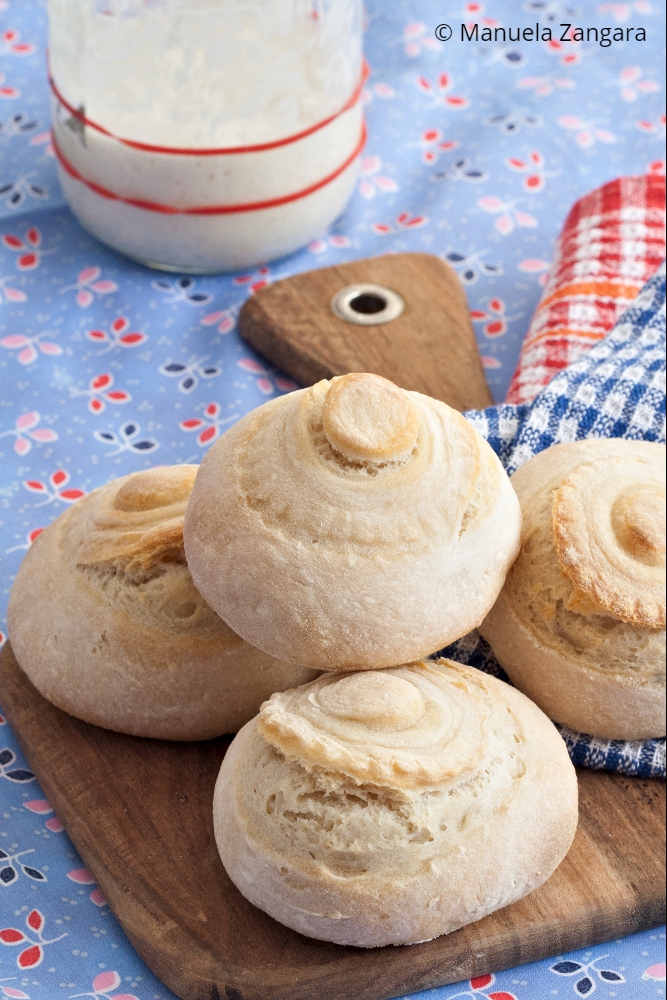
(352, 524)
(106, 622)
(392, 806)
(580, 623)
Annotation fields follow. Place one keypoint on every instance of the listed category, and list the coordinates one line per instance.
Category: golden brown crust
(384, 727)
(367, 418)
(608, 522)
(135, 525)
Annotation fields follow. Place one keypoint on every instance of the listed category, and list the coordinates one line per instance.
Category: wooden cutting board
(430, 347)
(139, 813)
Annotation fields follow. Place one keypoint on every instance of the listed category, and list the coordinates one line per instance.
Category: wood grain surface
(430, 348)
(139, 813)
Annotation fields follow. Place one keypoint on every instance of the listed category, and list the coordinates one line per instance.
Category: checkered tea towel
(612, 242)
(616, 390)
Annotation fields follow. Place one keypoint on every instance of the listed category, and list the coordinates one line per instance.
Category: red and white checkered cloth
(612, 242)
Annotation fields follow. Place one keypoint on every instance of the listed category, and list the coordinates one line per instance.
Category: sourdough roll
(106, 622)
(580, 623)
(352, 524)
(391, 806)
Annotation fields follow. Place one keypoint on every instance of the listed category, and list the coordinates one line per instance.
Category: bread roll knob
(137, 526)
(157, 487)
(375, 699)
(609, 534)
(365, 417)
(414, 726)
(638, 519)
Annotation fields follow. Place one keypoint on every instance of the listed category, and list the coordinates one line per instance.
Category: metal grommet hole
(367, 305)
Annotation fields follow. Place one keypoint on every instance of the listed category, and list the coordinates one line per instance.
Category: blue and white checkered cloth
(616, 390)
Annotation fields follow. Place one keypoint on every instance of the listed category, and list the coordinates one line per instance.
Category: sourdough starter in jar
(206, 135)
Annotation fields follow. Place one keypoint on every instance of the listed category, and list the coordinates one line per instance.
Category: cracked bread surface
(389, 807)
(105, 619)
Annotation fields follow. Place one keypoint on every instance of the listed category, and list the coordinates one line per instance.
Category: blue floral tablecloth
(476, 152)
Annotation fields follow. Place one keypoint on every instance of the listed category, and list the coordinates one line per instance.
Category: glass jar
(206, 135)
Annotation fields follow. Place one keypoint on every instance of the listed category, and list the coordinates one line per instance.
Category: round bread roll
(580, 623)
(388, 807)
(352, 524)
(106, 622)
